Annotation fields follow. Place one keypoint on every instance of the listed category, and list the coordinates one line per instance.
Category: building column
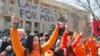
(32, 1)
(2, 22)
(7, 6)
(39, 2)
(23, 24)
(32, 27)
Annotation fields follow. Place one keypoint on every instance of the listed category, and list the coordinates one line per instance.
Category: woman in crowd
(33, 47)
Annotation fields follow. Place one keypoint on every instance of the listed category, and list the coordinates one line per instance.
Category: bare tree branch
(97, 2)
(83, 7)
(88, 1)
(87, 6)
(82, 4)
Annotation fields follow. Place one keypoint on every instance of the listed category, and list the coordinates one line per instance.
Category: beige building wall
(2, 23)
(30, 26)
(68, 11)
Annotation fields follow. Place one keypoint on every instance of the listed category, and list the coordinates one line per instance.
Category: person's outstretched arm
(76, 41)
(46, 46)
(64, 39)
(15, 39)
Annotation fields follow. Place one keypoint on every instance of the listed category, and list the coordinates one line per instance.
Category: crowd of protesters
(18, 43)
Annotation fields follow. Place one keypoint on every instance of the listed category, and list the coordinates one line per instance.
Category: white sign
(73, 21)
(29, 11)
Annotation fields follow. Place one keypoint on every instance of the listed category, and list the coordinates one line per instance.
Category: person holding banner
(32, 47)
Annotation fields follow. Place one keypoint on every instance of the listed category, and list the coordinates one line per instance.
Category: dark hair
(69, 51)
(46, 35)
(29, 44)
(70, 33)
(59, 51)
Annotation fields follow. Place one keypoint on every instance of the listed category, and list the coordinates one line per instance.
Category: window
(28, 24)
(36, 25)
(2, 5)
(11, 7)
(20, 24)
(8, 22)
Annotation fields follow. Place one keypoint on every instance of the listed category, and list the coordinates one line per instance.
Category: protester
(92, 45)
(33, 46)
(44, 38)
(80, 49)
(7, 51)
(5, 43)
(62, 50)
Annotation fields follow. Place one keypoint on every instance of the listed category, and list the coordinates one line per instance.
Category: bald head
(22, 33)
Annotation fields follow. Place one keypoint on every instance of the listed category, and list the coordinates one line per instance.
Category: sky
(70, 2)
(96, 9)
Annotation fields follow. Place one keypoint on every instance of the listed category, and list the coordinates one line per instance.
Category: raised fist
(15, 19)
